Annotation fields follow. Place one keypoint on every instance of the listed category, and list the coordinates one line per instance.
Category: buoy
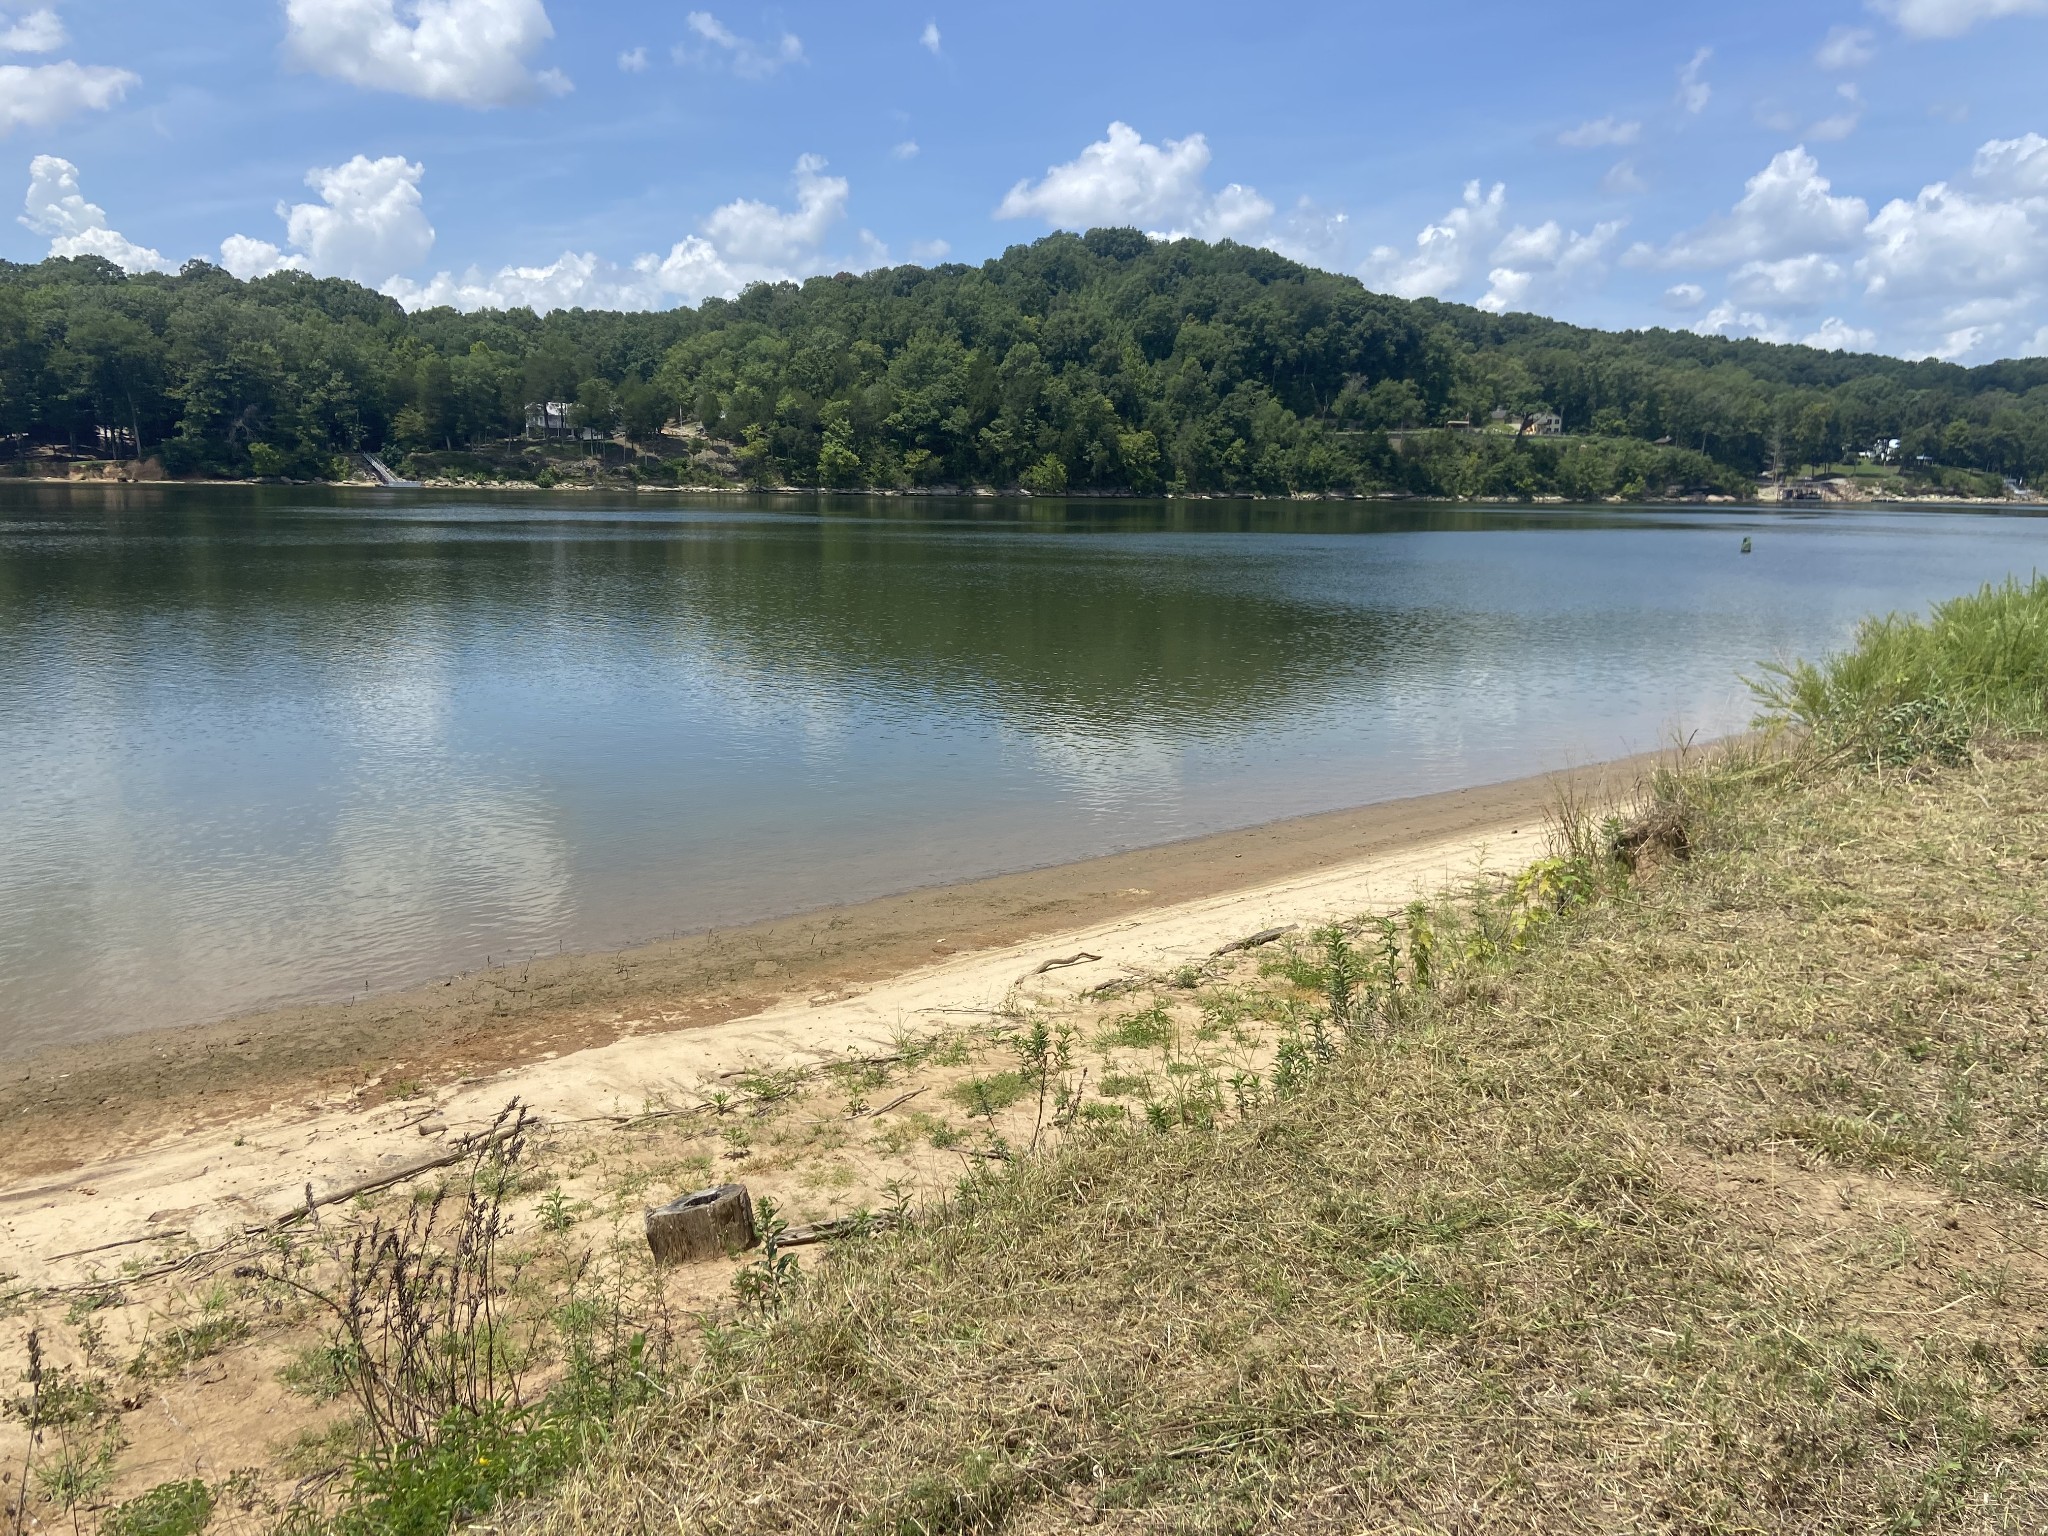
(1746, 546)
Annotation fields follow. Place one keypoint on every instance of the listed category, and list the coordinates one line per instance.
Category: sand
(145, 1146)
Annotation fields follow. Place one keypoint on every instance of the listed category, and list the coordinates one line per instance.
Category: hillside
(1105, 362)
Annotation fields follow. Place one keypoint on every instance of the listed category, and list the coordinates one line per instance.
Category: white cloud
(633, 61)
(1838, 335)
(37, 32)
(369, 224)
(1796, 282)
(1843, 123)
(1121, 179)
(55, 206)
(1787, 208)
(1948, 243)
(1952, 18)
(37, 95)
(1544, 260)
(2014, 167)
(743, 242)
(1623, 180)
(1725, 319)
(472, 52)
(1685, 296)
(929, 37)
(907, 150)
(929, 251)
(759, 234)
(746, 58)
(1444, 251)
(1693, 92)
(1601, 133)
(1847, 48)
(247, 257)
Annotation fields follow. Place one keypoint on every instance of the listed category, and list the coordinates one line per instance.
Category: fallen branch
(901, 1098)
(827, 1231)
(126, 1242)
(1065, 960)
(468, 1146)
(1263, 936)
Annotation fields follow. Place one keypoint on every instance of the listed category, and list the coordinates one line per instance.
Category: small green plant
(739, 1142)
(1149, 1029)
(169, 1509)
(764, 1286)
(556, 1213)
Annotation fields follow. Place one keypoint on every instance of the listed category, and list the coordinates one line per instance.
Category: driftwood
(900, 1099)
(1263, 936)
(455, 1154)
(826, 1231)
(1065, 960)
(711, 1224)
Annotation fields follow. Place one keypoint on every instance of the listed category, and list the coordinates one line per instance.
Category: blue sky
(1871, 175)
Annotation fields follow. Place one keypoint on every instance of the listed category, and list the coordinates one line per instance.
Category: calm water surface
(263, 746)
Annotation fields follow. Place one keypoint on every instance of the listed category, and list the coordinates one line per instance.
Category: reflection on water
(261, 746)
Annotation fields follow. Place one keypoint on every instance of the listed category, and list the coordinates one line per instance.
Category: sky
(1860, 174)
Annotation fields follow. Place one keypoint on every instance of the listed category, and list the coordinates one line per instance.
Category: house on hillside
(551, 418)
(1533, 424)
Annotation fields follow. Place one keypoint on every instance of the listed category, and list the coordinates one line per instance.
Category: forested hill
(1100, 362)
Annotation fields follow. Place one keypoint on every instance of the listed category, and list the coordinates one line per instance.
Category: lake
(268, 745)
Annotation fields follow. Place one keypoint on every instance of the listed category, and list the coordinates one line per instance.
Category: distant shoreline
(987, 493)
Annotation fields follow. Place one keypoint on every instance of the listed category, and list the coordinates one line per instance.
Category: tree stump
(711, 1224)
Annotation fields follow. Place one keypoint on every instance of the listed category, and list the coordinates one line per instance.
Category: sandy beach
(204, 1133)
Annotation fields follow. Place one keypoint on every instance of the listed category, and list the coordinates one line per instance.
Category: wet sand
(73, 1106)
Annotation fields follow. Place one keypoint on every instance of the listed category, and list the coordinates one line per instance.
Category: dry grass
(1719, 1207)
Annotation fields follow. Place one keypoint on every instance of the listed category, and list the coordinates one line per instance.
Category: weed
(1149, 1029)
(169, 1509)
(556, 1213)
(985, 1097)
(763, 1287)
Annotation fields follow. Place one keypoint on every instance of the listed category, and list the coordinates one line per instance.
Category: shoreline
(69, 1104)
(988, 493)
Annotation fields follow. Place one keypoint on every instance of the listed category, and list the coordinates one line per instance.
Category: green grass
(1695, 1184)
(1914, 688)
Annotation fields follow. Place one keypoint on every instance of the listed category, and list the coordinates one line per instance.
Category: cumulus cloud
(1544, 261)
(1952, 18)
(1846, 48)
(633, 61)
(907, 150)
(1445, 252)
(1787, 208)
(1161, 187)
(928, 39)
(1685, 296)
(744, 242)
(1693, 91)
(743, 56)
(37, 32)
(37, 95)
(1604, 132)
(471, 52)
(370, 223)
(55, 206)
(1958, 270)
(929, 251)
(1838, 335)
(1796, 282)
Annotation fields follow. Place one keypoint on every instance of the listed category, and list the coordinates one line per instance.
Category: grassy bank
(1715, 1203)
(1693, 1181)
